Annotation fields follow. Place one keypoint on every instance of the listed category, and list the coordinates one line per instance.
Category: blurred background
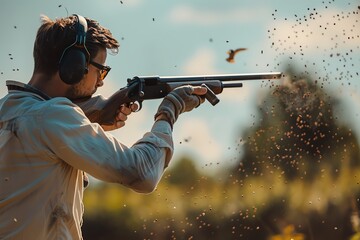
(273, 160)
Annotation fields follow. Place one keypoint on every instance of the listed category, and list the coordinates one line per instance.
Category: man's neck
(50, 85)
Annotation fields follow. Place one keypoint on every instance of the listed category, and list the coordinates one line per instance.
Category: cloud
(202, 62)
(355, 97)
(3, 91)
(188, 15)
(195, 136)
(136, 126)
(326, 30)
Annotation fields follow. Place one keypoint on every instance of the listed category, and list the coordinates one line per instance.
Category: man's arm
(87, 147)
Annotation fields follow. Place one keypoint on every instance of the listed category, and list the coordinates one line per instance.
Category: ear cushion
(73, 66)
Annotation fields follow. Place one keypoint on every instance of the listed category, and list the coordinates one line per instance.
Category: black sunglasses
(104, 70)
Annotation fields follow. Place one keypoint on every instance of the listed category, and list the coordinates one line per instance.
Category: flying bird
(232, 54)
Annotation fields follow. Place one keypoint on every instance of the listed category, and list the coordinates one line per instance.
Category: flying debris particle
(60, 6)
(186, 140)
(121, 2)
(153, 19)
(232, 54)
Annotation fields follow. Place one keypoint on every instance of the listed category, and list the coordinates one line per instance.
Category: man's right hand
(181, 99)
(121, 117)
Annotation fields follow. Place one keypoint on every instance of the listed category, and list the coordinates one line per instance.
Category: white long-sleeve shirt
(45, 148)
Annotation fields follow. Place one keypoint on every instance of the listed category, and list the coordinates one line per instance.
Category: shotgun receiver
(103, 111)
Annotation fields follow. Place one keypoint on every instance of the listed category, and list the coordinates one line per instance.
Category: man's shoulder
(57, 107)
(61, 102)
(62, 106)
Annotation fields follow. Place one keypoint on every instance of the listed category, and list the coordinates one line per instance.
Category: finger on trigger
(134, 106)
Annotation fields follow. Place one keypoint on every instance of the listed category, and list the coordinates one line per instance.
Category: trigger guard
(139, 104)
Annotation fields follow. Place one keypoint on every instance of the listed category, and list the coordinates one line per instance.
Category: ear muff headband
(75, 58)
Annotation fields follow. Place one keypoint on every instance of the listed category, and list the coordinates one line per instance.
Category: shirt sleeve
(86, 146)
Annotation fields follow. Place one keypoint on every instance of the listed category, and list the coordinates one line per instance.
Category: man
(47, 144)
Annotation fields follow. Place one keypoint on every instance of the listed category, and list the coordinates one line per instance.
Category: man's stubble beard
(78, 91)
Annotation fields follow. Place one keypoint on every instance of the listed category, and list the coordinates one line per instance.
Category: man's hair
(53, 37)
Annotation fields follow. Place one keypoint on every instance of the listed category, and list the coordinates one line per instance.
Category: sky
(171, 38)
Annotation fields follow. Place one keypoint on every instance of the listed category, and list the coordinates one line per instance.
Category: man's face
(91, 81)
